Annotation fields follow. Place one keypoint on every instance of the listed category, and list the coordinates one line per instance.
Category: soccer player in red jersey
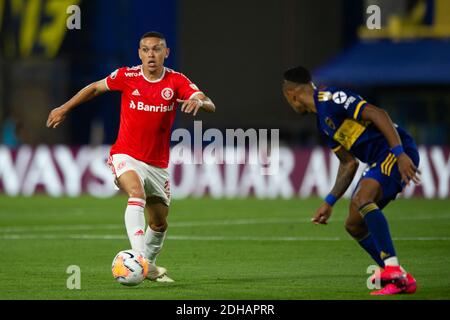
(140, 156)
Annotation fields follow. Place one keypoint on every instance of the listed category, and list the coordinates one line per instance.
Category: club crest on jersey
(330, 123)
(339, 97)
(167, 93)
(324, 96)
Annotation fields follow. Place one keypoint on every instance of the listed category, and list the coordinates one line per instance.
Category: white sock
(153, 243)
(135, 223)
(391, 261)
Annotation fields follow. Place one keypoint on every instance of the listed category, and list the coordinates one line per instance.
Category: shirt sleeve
(349, 102)
(186, 89)
(116, 80)
(333, 145)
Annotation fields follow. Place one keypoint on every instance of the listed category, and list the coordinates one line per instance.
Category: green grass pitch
(215, 249)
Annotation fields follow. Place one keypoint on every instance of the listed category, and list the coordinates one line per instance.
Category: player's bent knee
(136, 192)
(352, 229)
(349, 227)
(356, 231)
(359, 200)
(355, 228)
(159, 227)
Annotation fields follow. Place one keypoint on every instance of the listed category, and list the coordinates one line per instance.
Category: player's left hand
(407, 169)
(191, 105)
(322, 214)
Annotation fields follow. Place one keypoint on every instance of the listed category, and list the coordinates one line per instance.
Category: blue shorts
(385, 171)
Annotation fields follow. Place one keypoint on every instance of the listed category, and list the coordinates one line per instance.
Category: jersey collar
(154, 81)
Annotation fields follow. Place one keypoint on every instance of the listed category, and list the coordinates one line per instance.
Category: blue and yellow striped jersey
(339, 118)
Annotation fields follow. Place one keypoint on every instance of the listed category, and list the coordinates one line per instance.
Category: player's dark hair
(153, 34)
(298, 75)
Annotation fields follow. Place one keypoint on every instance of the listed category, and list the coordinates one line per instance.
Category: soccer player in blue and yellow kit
(355, 129)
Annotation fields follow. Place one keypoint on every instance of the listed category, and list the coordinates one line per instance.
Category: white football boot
(158, 274)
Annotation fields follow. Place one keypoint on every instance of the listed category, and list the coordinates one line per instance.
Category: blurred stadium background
(238, 59)
(236, 51)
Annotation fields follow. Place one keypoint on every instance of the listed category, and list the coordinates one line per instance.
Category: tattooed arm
(347, 169)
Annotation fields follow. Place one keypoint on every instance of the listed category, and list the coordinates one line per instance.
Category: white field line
(62, 227)
(200, 223)
(201, 238)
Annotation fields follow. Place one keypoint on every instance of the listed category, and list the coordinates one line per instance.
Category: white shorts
(154, 180)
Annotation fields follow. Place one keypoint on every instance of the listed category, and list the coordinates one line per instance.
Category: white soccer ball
(129, 268)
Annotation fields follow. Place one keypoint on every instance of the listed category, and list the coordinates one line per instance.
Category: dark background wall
(237, 52)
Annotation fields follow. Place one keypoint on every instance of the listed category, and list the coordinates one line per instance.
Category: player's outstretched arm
(57, 115)
(383, 122)
(199, 102)
(348, 166)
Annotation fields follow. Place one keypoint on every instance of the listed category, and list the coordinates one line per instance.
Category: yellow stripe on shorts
(386, 162)
(391, 165)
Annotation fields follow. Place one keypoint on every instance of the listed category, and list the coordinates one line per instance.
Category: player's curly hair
(298, 74)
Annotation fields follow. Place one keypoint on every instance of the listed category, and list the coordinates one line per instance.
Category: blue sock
(379, 229)
(368, 244)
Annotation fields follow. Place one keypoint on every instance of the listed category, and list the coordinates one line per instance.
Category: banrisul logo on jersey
(140, 106)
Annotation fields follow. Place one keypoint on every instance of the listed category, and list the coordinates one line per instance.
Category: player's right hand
(407, 169)
(322, 214)
(56, 116)
(190, 105)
